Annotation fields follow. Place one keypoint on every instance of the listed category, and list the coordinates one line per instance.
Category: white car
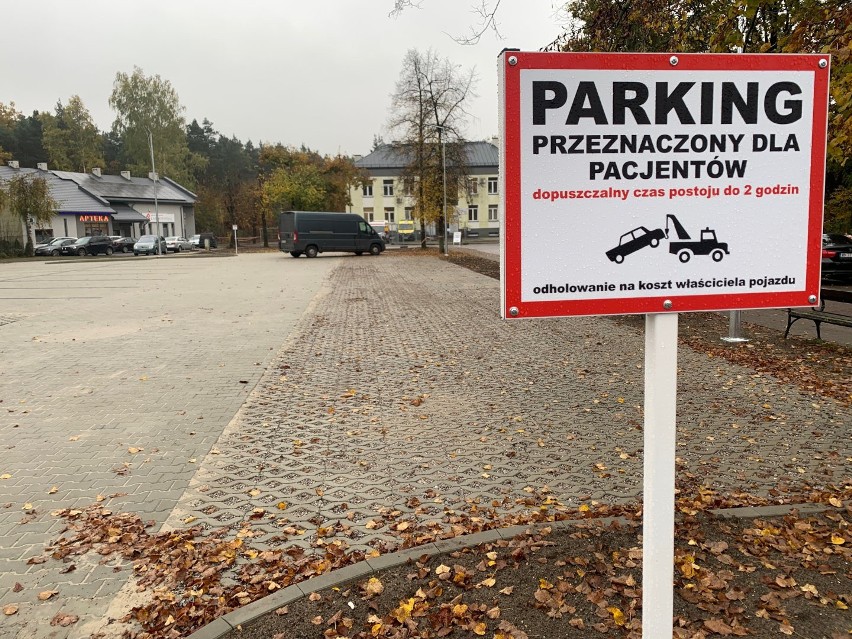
(178, 244)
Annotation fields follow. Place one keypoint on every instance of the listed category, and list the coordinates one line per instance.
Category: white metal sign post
(636, 183)
(659, 474)
(236, 250)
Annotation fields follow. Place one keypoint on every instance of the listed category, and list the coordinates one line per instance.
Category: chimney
(125, 175)
(42, 166)
(13, 164)
(152, 176)
(96, 171)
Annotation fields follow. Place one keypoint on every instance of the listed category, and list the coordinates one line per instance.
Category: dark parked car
(836, 256)
(638, 238)
(123, 244)
(54, 246)
(198, 240)
(89, 245)
(150, 245)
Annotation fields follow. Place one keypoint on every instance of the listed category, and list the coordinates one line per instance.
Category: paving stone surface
(398, 391)
(404, 391)
(116, 378)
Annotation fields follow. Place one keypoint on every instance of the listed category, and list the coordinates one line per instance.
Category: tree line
(236, 182)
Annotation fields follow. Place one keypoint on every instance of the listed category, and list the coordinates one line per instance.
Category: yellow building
(386, 198)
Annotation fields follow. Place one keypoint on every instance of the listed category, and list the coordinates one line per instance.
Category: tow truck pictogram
(684, 247)
(687, 247)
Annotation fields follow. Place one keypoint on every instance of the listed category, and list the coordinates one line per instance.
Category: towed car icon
(632, 241)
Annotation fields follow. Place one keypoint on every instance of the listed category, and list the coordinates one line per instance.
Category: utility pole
(443, 144)
(156, 207)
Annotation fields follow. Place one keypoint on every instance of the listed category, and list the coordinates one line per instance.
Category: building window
(387, 188)
(492, 212)
(408, 186)
(388, 214)
(408, 214)
(492, 186)
(368, 213)
(367, 190)
(472, 186)
(472, 213)
(95, 228)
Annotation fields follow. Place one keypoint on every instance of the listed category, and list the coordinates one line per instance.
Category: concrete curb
(221, 626)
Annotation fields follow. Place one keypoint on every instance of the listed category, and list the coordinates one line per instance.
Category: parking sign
(645, 183)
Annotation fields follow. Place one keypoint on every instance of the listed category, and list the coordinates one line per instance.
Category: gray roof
(135, 189)
(479, 154)
(124, 213)
(67, 193)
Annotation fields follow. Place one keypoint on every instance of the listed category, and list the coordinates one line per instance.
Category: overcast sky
(313, 72)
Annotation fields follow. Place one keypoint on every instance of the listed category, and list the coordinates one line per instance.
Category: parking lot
(117, 374)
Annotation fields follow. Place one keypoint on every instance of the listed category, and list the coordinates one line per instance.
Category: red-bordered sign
(646, 183)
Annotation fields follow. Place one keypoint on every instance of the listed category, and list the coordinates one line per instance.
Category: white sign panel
(651, 183)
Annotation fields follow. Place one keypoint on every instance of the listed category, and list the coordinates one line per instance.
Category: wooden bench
(818, 315)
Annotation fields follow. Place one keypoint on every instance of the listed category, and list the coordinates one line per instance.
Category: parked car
(178, 244)
(836, 256)
(198, 240)
(150, 245)
(89, 245)
(123, 244)
(54, 246)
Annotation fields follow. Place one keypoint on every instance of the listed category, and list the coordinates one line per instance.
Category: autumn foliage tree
(150, 105)
(70, 137)
(303, 180)
(756, 26)
(28, 197)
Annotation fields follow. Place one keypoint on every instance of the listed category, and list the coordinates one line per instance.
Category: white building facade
(387, 197)
(98, 204)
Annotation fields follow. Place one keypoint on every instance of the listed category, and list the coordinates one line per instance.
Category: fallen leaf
(63, 620)
(373, 587)
(718, 626)
(47, 594)
(10, 610)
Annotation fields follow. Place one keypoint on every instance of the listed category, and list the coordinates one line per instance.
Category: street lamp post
(443, 144)
(156, 207)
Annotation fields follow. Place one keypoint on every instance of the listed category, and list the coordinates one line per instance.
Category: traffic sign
(648, 183)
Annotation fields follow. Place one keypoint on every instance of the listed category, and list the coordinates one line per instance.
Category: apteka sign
(645, 183)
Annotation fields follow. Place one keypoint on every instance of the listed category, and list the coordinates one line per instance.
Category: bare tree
(428, 116)
(487, 21)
